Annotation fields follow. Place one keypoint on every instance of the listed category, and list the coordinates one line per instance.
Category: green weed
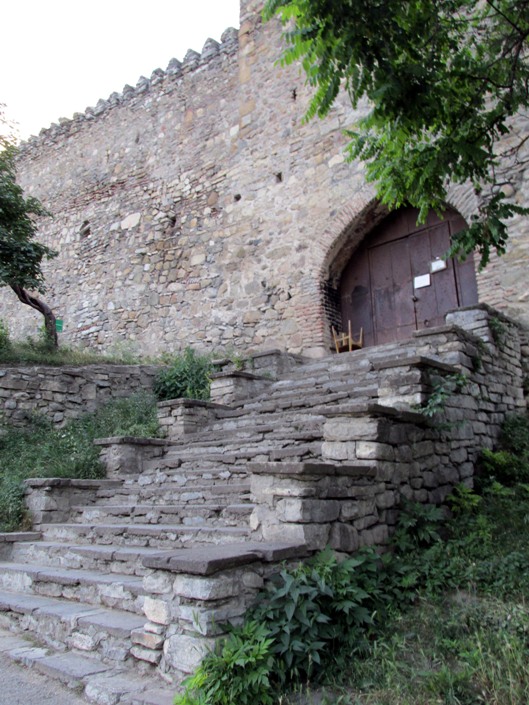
(42, 450)
(185, 376)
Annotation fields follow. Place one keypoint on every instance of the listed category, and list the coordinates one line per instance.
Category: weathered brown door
(397, 282)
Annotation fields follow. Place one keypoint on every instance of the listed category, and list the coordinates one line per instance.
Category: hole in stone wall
(237, 197)
(294, 94)
(84, 230)
(279, 177)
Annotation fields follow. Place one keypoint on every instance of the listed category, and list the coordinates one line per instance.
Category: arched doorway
(396, 281)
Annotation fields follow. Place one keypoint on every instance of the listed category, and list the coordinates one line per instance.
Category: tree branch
(49, 317)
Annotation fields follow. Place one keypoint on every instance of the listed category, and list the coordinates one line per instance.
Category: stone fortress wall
(197, 209)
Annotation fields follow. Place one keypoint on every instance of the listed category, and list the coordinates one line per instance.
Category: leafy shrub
(325, 612)
(418, 526)
(464, 500)
(186, 376)
(509, 465)
(236, 671)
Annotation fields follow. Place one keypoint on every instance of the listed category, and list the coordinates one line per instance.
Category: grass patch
(41, 450)
(37, 353)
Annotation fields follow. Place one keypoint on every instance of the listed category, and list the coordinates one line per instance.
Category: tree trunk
(41, 307)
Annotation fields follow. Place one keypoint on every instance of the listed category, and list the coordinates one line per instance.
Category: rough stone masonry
(195, 208)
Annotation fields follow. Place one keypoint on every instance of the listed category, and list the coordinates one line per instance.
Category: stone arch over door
(396, 281)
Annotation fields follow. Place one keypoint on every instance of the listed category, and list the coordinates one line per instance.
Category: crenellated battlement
(163, 82)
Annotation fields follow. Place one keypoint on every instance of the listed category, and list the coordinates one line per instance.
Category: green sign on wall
(58, 325)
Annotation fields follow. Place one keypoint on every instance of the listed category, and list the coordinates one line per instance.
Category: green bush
(319, 612)
(237, 672)
(509, 464)
(186, 376)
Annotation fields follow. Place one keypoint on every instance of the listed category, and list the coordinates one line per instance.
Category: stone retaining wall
(63, 393)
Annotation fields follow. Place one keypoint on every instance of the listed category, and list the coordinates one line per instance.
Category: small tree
(443, 81)
(20, 254)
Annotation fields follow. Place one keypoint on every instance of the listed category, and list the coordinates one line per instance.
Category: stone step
(192, 476)
(124, 592)
(124, 560)
(99, 682)
(150, 535)
(190, 455)
(173, 493)
(214, 514)
(101, 632)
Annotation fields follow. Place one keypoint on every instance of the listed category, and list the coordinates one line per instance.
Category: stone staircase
(137, 573)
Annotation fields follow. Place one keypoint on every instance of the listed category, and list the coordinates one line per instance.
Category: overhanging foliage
(442, 80)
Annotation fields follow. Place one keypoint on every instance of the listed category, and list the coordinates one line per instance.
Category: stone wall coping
(449, 328)
(281, 353)
(20, 536)
(239, 374)
(311, 469)
(377, 410)
(79, 370)
(415, 361)
(496, 313)
(347, 409)
(213, 559)
(80, 483)
(132, 440)
(251, 356)
(190, 404)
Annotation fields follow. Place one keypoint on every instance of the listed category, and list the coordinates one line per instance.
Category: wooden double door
(397, 282)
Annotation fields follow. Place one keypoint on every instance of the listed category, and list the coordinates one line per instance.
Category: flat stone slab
(113, 622)
(133, 441)
(16, 536)
(150, 697)
(24, 604)
(70, 667)
(212, 559)
(190, 404)
(70, 612)
(28, 655)
(415, 361)
(37, 482)
(311, 469)
(110, 687)
(9, 642)
(73, 577)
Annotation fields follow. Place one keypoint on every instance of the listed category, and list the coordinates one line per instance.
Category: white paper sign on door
(437, 265)
(421, 281)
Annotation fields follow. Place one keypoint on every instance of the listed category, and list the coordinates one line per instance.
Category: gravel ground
(24, 686)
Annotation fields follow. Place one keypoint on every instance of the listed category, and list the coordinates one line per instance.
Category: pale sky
(58, 57)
